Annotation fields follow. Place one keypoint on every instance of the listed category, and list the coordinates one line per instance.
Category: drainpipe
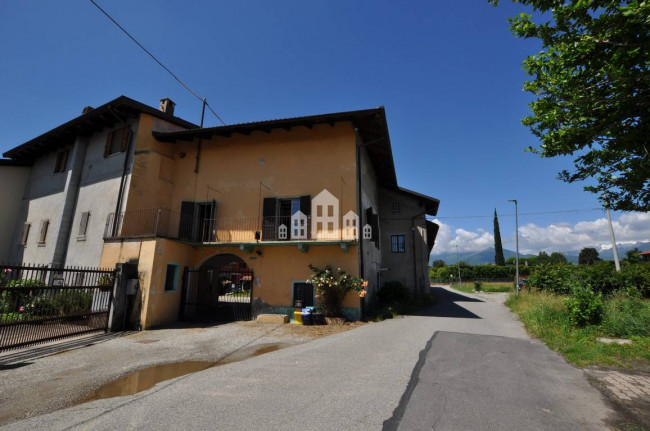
(358, 143)
(125, 167)
(415, 266)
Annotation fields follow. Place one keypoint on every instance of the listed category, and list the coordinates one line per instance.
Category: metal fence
(175, 225)
(45, 303)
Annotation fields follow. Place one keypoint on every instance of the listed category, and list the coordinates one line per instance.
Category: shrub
(393, 292)
(478, 286)
(19, 294)
(73, 301)
(601, 276)
(44, 307)
(626, 315)
(584, 306)
(553, 278)
(331, 288)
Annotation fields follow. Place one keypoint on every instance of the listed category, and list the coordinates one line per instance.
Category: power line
(532, 213)
(202, 99)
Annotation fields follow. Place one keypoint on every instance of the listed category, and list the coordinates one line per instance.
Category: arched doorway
(219, 290)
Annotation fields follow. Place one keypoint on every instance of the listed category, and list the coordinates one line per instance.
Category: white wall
(13, 180)
(99, 186)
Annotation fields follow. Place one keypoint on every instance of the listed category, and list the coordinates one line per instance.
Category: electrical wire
(532, 213)
(202, 99)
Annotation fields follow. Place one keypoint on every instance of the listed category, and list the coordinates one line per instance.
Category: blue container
(306, 317)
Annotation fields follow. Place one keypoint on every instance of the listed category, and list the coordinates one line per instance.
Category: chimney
(86, 109)
(167, 106)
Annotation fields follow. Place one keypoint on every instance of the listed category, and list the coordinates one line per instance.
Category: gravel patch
(33, 385)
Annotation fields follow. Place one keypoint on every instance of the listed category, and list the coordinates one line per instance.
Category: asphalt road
(466, 364)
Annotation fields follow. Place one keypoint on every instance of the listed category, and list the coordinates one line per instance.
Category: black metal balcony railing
(174, 225)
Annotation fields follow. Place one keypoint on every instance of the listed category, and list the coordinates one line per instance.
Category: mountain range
(486, 257)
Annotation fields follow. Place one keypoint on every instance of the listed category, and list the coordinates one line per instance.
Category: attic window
(61, 161)
(117, 141)
(396, 207)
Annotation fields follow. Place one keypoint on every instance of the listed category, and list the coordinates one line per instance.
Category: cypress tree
(498, 247)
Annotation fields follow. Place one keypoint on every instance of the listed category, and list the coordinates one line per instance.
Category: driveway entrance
(220, 290)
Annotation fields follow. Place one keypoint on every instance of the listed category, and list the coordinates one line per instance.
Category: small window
(330, 211)
(45, 224)
(397, 243)
(25, 235)
(83, 225)
(395, 208)
(117, 141)
(61, 162)
(330, 227)
(319, 211)
(171, 277)
(303, 294)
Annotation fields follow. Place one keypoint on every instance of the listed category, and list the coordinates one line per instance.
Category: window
(171, 277)
(45, 224)
(25, 235)
(303, 294)
(83, 225)
(397, 243)
(117, 141)
(395, 207)
(61, 161)
(285, 211)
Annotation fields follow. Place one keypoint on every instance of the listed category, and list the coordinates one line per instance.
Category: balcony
(160, 222)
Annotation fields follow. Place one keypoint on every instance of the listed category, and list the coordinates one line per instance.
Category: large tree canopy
(592, 82)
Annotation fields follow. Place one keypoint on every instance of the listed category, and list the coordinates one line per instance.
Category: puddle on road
(147, 378)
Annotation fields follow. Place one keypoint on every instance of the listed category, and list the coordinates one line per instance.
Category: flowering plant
(332, 286)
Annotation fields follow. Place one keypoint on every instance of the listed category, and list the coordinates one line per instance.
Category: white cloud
(447, 241)
(561, 236)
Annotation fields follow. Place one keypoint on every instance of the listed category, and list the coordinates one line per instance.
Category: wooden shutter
(107, 147)
(305, 208)
(186, 224)
(83, 225)
(43, 235)
(26, 228)
(126, 135)
(268, 219)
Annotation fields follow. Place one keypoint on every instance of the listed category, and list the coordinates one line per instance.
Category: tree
(588, 256)
(592, 83)
(543, 258)
(438, 263)
(498, 247)
(633, 256)
(557, 257)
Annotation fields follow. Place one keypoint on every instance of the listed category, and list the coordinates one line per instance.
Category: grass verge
(545, 316)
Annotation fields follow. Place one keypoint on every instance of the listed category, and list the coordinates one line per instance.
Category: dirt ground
(49, 377)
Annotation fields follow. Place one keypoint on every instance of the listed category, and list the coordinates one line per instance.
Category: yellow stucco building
(228, 219)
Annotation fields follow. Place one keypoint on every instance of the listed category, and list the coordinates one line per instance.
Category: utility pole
(516, 242)
(611, 235)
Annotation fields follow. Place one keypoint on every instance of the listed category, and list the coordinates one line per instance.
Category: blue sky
(448, 73)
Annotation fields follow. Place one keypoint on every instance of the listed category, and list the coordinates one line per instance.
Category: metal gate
(43, 303)
(217, 294)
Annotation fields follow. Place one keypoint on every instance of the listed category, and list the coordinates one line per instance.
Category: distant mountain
(475, 257)
(487, 256)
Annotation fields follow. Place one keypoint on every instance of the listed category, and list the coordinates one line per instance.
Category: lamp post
(516, 242)
(460, 280)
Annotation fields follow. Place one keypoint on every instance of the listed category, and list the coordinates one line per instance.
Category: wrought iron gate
(217, 294)
(44, 303)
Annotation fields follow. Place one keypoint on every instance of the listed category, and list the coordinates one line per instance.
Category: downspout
(415, 266)
(120, 193)
(359, 203)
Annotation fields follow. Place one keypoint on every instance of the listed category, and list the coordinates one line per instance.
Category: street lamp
(516, 242)
(460, 280)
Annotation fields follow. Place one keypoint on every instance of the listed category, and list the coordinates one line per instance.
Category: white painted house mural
(325, 216)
